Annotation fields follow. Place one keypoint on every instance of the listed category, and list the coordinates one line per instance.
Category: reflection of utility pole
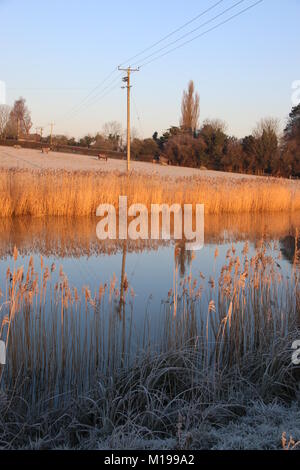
(127, 80)
(122, 297)
(296, 255)
(122, 310)
(51, 132)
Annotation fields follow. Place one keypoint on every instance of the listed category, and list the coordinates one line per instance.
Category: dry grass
(58, 193)
(80, 374)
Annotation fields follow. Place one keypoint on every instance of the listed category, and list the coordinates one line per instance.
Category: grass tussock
(81, 374)
(58, 193)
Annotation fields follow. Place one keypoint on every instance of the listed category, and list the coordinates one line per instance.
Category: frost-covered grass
(139, 411)
(218, 375)
(261, 427)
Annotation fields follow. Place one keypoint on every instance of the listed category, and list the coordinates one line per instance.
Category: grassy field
(82, 377)
(78, 193)
(29, 159)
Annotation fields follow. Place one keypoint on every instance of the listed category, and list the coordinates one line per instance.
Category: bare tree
(216, 124)
(113, 133)
(4, 119)
(20, 118)
(268, 125)
(265, 146)
(134, 133)
(190, 108)
(112, 129)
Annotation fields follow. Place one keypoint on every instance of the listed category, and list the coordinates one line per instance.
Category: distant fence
(30, 144)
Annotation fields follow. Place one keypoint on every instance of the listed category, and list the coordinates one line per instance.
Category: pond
(87, 261)
(64, 327)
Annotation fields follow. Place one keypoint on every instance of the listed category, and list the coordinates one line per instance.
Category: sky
(54, 53)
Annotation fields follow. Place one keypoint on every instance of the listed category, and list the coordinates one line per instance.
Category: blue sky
(55, 52)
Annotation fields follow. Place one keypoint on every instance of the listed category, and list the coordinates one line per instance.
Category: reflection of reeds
(75, 369)
(64, 236)
(60, 340)
(80, 193)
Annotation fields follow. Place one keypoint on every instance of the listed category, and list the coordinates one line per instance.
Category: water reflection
(173, 290)
(147, 266)
(66, 237)
(290, 248)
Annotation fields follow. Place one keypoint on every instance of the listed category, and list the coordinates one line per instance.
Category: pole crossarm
(128, 68)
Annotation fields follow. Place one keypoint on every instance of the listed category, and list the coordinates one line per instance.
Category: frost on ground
(22, 159)
(139, 411)
(163, 401)
(262, 427)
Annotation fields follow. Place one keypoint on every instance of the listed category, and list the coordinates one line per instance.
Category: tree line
(16, 124)
(208, 146)
(263, 152)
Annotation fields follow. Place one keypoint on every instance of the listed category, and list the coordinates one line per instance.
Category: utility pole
(18, 129)
(128, 86)
(51, 132)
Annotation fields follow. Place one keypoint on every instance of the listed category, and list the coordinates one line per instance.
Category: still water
(63, 347)
(149, 266)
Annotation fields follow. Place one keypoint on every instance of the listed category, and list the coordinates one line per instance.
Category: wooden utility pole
(18, 129)
(51, 132)
(127, 80)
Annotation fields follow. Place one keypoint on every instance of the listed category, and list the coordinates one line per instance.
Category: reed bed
(83, 372)
(63, 193)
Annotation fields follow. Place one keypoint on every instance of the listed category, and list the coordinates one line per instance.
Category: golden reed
(77, 193)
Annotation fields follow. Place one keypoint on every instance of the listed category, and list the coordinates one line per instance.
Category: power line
(105, 94)
(46, 89)
(88, 97)
(100, 98)
(89, 101)
(173, 32)
(202, 34)
(193, 30)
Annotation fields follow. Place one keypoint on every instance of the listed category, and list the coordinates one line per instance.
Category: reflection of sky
(150, 273)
